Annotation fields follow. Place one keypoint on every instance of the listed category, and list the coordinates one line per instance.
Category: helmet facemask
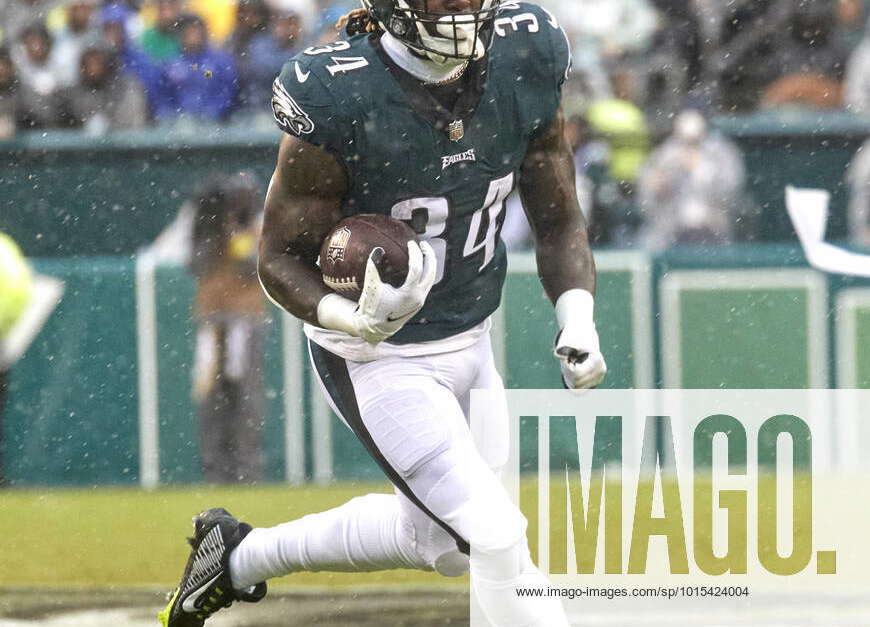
(445, 38)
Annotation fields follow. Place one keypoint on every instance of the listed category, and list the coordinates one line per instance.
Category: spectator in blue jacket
(131, 59)
(267, 52)
(202, 81)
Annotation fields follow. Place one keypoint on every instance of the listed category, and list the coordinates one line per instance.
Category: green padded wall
(72, 412)
(744, 329)
(739, 317)
(853, 338)
(862, 346)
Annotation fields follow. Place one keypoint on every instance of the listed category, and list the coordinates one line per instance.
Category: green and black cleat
(206, 586)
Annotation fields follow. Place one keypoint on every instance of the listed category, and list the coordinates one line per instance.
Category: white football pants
(411, 414)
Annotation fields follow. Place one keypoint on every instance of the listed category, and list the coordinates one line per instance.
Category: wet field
(417, 608)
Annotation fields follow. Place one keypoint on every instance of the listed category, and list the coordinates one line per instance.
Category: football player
(431, 111)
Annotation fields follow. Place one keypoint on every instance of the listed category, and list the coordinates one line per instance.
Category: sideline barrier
(87, 406)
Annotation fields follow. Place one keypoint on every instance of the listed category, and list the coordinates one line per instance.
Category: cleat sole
(163, 616)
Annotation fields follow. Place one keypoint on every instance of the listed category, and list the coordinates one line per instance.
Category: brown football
(346, 249)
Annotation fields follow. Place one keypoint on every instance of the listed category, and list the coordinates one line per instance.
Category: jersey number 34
(434, 213)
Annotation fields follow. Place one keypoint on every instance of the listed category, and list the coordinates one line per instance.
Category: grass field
(105, 557)
(128, 537)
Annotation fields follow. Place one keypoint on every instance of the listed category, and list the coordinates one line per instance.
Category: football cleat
(206, 586)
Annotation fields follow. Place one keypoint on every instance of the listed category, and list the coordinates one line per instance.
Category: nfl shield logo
(338, 244)
(456, 130)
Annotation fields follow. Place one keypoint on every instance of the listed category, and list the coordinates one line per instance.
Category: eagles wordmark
(468, 155)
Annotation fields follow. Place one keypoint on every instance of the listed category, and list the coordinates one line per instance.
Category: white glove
(577, 346)
(382, 309)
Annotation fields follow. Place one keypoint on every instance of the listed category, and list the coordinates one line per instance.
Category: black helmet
(440, 36)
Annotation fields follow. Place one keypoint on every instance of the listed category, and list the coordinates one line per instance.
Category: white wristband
(575, 306)
(337, 313)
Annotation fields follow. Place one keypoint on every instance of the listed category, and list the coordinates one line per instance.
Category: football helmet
(443, 37)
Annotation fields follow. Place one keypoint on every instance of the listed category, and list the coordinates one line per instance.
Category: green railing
(65, 193)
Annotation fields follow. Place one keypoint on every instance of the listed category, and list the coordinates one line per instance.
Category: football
(346, 249)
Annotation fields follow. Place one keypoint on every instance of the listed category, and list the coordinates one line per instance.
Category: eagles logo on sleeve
(288, 113)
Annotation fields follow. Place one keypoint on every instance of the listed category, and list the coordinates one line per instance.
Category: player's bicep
(304, 199)
(548, 189)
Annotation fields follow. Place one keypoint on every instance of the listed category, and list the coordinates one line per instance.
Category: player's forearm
(295, 222)
(564, 258)
(293, 284)
(561, 240)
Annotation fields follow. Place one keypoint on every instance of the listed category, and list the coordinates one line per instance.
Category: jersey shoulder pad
(300, 104)
(305, 96)
(537, 39)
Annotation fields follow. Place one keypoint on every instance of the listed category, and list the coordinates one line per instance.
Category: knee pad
(451, 564)
(437, 549)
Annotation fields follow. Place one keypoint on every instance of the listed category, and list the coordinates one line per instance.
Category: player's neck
(421, 68)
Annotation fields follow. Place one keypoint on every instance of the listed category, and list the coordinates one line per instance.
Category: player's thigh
(411, 416)
(414, 427)
(485, 405)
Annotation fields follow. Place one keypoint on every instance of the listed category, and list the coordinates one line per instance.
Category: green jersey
(447, 173)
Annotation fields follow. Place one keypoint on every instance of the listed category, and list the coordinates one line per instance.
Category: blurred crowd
(730, 56)
(123, 65)
(648, 76)
(128, 63)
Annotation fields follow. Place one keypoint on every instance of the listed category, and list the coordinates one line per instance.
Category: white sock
(365, 534)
